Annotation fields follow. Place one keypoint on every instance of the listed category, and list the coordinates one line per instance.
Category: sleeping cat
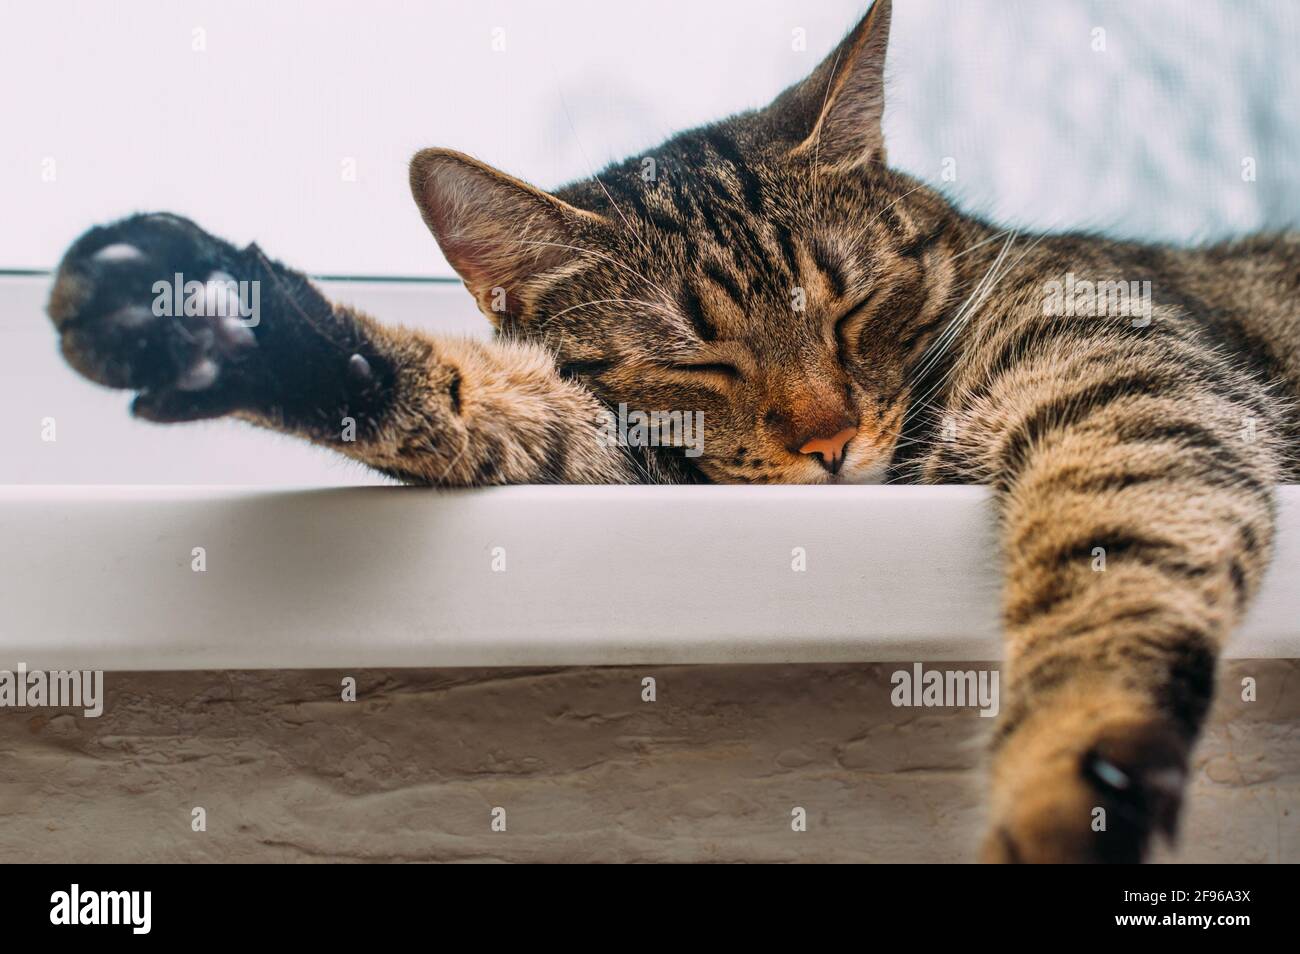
(833, 320)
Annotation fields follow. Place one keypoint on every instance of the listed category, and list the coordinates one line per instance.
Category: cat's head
(768, 272)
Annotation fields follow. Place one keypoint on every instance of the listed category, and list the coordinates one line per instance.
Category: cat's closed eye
(721, 368)
(848, 325)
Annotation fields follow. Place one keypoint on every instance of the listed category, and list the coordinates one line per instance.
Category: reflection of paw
(120, 327)
(1099, 800)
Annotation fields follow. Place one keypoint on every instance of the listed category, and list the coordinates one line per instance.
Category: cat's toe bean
(118, 252)
(200, 376)
(235, 334)
(220, 295)
(224, 306)
(150, 304)
(114, 349)
(129, 318)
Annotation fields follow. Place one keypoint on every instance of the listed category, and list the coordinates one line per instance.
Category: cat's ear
(834, 116)
(496, 231)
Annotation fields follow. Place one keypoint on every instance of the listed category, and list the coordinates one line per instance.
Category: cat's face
(767, 274)
(785, 308)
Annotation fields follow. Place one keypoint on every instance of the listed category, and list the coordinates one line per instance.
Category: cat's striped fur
(775, 275)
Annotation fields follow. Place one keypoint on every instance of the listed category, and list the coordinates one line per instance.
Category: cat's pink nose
(830, 449)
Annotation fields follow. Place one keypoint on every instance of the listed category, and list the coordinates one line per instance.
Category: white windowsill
(95, 553)
(101, 577)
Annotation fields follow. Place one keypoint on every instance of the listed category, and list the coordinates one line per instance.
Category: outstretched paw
(152, 304)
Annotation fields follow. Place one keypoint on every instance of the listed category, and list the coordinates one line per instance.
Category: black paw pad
(151, 303)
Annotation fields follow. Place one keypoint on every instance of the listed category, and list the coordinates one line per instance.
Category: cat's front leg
(1133, 547)
(202, 329)
(1135, 474)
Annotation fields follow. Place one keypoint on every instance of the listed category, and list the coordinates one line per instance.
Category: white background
(248, 135)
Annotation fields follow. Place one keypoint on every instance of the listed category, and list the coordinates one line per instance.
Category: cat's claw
(115, 301)
(1106, 804)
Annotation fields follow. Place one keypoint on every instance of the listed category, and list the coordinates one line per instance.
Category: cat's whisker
(601, 255)
(965, 317)
(612, 301)
(958, 324)
(817, 143)
(894, 203)
(926, 401)
(936, 350)
(945, 337)
(980, 244)
(595, 178)
(440, 480)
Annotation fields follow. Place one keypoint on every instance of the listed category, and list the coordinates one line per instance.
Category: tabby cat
(834, 321)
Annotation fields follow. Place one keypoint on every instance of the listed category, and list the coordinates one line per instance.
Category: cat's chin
(873, 473)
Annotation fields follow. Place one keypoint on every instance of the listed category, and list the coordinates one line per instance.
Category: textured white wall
(585, 770)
